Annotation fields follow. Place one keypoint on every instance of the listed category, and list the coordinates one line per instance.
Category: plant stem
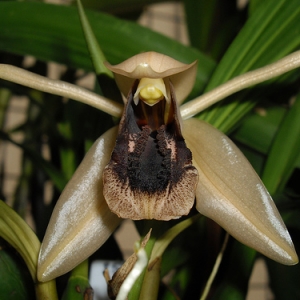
(215, 269)
(156, 232)
(159, 241)
(46, 290)
(151, 280)
(20, 236)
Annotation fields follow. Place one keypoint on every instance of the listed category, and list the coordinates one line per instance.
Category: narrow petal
(284, 65)
(60, 88)
(231, 193)
(81, 221)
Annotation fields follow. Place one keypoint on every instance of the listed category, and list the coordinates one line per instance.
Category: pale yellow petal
(231, 193)
(155, 65)
(286, 64)
(81, 221)
(61, 88)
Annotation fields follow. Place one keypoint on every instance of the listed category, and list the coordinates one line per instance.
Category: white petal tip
(43, 275)
(47, 270)
(291, 258)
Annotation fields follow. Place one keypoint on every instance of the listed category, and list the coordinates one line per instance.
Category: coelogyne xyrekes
(144, 170)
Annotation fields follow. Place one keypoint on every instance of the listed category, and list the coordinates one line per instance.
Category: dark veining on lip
(150, 159)
(149, 168)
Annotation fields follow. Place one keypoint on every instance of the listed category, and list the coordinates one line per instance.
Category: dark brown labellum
(150, 174)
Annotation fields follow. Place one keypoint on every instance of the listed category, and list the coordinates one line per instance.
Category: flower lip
(155, 65)
(150, 174)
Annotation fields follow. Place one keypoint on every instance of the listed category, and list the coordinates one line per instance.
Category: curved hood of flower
(230, 192)
(155, 65)
(81, 221)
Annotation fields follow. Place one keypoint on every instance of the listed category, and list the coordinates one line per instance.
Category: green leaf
(284, 152)
(78, 287)
(237, 271)
(173, 257)
(67, 154)
(30, 28)
(58, 178)
(199, 23)
(269, 34)
(212, 24)
(264, 122)
(95, 51)
(180, 281)
(16, 283)
(253, 4)
(163, 241)
(20, 236)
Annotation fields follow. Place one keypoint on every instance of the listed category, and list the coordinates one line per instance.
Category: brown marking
(150, 174)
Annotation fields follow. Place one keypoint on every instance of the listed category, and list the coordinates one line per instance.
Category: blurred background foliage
(227, 40)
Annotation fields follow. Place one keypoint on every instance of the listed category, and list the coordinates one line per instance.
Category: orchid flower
(186, 158)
